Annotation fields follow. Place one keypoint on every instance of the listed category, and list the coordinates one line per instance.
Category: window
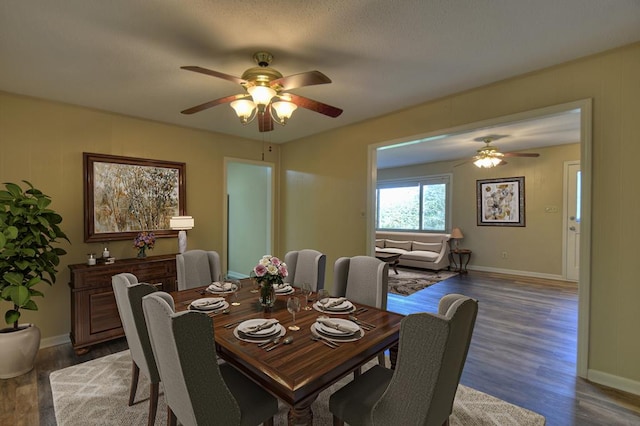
(420, 204)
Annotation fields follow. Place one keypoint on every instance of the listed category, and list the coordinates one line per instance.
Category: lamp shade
(456, 233)
(181, 222)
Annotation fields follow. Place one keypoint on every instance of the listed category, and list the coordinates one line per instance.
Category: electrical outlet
(504, 255)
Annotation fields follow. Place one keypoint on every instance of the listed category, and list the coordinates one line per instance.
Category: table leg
(301, 414)
(464, 270)
(394, 266)
(393, 356)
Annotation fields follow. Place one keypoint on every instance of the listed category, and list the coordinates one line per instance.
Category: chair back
(362, 279)
(184, 347)
(432, 352)
(129, 293)
(196, 268)
(306, 266)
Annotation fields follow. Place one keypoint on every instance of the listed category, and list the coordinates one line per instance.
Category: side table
(463, 254)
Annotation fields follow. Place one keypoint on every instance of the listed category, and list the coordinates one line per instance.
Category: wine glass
(306, 291)
(293, 306)
(322, 298)
(236, 292)
(254, 281)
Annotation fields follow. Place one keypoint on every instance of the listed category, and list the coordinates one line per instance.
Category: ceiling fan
(265, 96)
(489, 156)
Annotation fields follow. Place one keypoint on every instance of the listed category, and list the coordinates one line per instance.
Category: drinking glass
(254, 282)
(235, 296)
(322, 299)
(293, 306)
(306, 291)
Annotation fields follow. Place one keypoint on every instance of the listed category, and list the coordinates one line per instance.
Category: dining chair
(196, 268)
(129, 293)
(362, 279)
(421, 390)
(198, 391)
(306, 266)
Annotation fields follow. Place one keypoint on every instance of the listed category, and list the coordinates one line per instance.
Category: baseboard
(54, 341)
(516, 272)
(616, 382)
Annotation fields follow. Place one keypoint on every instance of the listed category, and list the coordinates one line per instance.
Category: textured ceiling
(124, 56)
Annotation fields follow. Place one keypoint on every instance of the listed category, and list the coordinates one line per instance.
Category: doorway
(584, 258)
(248, 230)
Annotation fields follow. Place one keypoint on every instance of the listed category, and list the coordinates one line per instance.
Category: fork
(324, 339)
(330, 344)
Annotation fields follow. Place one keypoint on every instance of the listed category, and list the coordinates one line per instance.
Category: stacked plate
(258, 330)
(282, 289)
(337, 329)
(221, 288)
(334, 305)
(208, 304)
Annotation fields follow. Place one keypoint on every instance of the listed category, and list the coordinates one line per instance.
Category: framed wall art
(124, 196)
(500, 202)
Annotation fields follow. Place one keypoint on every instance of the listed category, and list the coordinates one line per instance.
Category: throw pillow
(436, 247)
(405, 245)
(380, 243)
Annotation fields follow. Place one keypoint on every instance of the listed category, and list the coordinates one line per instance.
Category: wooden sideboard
(94, 313)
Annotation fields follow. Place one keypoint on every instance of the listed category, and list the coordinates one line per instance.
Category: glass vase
(267, 295)
(142, 252)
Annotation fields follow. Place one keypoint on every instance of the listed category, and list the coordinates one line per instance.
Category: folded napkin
(220, 286)
(346, 327)
(281, 286)
(202, 303)
(258, 327)
(336, 302)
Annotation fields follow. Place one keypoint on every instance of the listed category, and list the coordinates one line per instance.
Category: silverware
(285, 341)
(359, 321)
(268, 342)
(326, 342)
(362, 325)
(231, 324)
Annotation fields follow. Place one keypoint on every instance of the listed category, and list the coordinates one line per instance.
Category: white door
(572, 220)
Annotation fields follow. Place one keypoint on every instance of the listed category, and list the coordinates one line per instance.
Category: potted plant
(28, 232)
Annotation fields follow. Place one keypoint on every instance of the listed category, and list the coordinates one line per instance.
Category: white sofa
(419, 250)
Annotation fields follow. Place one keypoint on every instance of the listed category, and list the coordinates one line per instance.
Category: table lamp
(456, 234)
(181, 223)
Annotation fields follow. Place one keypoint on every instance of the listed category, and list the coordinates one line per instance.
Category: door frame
(225, 205)
(584, 283)
(565, 222)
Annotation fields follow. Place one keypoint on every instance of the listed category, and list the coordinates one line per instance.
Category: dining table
(298, 371)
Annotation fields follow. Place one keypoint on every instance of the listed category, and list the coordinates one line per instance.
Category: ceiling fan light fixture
(245, 110)
(261, 95)
(487, 162)
(283, 110)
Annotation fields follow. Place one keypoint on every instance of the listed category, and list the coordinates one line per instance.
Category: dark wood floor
(523, 351)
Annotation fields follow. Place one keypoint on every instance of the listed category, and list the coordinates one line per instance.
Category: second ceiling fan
(489, 156)
(264, 98)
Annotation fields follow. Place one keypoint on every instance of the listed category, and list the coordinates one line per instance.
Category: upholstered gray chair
(129, 296)
(196, 268)
(362, 279)
(198, 391)
(421, 390)
(306, 266)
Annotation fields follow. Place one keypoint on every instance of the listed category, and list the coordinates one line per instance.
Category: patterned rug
(408, 281)
(96, 393)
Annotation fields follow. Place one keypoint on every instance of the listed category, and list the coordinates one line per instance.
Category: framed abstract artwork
(500, 202)
(124, 196)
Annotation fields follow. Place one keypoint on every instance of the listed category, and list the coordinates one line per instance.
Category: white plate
(344, 325)
(290, 290)
(217, 308)
(245, 325)
(345, 307)
(281, 332)
(215, 290)
(338, 339)
(208, 303)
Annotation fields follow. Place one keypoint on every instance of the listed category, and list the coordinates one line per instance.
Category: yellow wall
(542, 255)
(43, 142)
(331, 189)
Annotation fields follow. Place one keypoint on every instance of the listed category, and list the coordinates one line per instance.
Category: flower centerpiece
(269, 271)
(143, 241)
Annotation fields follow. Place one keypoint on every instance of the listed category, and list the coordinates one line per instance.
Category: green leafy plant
(28, 230)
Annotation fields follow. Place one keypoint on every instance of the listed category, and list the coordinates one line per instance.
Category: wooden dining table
(297, 372)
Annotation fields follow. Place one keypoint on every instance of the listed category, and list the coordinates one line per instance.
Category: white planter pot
(18, 350)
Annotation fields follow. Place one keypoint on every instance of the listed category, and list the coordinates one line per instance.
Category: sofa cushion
(421, 255)
(405, 245)
(391, 250)
(380, 243)
(436, 247)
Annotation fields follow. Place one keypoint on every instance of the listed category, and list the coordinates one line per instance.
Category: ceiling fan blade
(213, 103)
(294, 81)
(265, 123)
(316, 106)
(521, 154)
(214, 74)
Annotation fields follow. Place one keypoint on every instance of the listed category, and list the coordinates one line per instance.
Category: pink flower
(260, 270)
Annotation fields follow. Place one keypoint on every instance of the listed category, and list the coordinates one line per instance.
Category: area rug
(96, 393)
(408, 281)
